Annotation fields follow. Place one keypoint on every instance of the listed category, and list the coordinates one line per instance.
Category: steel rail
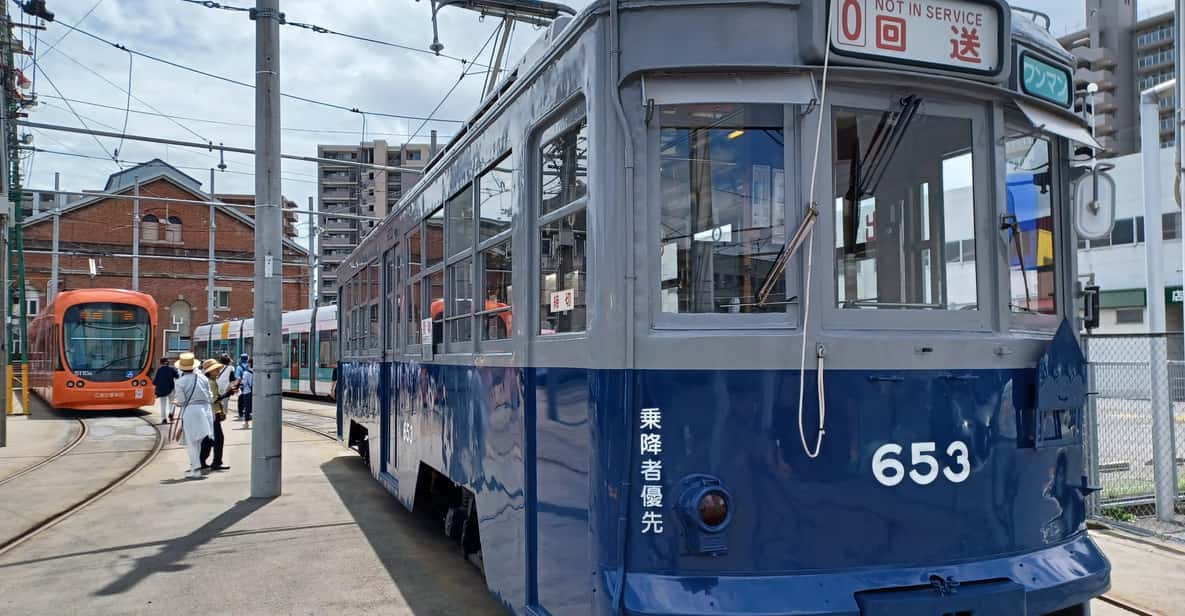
(82, 431)
(69, 512)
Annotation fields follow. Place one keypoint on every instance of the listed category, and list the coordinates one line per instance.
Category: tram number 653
(924, 467)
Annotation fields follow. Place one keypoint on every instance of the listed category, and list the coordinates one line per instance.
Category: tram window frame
(456, 322)
(393, 319)
(505, 164)
(792, 208)
(573, 118)
(978, 319)
(374, 330)
(1063, 249)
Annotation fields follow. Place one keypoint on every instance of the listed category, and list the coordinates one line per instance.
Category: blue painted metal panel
(805, 533)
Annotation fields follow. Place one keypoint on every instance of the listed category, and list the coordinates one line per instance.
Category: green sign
(1045, 80)
(1174, 295)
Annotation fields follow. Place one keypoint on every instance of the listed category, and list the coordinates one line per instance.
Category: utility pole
(55, 266)
(266, 461)
(210, 268)
(312, 256)
(136, 238)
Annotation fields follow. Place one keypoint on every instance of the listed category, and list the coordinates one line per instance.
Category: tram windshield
(106, 341)
(1031, 256)
(904, 209)
(723, 207)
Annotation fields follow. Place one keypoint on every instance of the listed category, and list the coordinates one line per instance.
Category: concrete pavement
(334, 542)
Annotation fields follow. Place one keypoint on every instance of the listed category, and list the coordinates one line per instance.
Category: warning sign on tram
(962, 35)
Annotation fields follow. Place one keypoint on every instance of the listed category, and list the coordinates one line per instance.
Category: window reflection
(1031, 258)
(904, 210)
(723, 207)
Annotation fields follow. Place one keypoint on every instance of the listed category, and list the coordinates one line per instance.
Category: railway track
(82, 430)
(71, 509)
(311, 422)
(1127, 606)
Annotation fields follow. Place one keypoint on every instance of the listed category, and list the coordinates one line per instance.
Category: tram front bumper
(1030, 584)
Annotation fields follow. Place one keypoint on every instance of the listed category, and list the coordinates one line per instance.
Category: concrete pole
(5, 395)
(266, 461)
(136, 238)
(312, 256)
(1163, 464)
(210, 257)
(55, 268)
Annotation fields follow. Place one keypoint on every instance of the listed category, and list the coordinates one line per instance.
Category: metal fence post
(1091, 435)
(1164, 467)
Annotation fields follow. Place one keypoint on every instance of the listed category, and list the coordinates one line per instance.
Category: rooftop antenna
(536, 13)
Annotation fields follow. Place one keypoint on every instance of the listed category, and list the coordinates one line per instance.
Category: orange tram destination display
(93, 350)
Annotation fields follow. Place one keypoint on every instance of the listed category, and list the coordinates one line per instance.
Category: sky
(95, 77)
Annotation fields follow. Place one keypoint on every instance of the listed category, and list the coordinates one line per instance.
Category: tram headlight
(81, 384)
(705, 510)
(70, 384)
(713, 509)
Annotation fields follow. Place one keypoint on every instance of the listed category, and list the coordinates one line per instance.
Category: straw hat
(211, 365)
(186, 362)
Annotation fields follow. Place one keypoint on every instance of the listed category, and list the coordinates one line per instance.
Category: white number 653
(924, 467)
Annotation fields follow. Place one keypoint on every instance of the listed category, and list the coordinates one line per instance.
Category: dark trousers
(214, 445)
(245, 406)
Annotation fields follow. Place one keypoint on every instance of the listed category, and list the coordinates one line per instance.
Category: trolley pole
(136, 238)
(266, 437)
(312, 256)
(55, 266)
(210, 267)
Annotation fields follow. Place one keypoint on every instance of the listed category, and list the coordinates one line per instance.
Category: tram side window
(904, 194)
(563, 231)
(435, 286)
(327, 353)
(722, 211)
(460, 229)
(304, 350)
(496, 210)
(412, 295)
(374, 287)
(496, 263)
(1031, 254)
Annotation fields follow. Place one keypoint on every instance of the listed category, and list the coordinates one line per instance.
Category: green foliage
(1119, 513)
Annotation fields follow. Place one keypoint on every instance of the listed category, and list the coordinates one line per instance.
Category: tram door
(559, 386)
(294, 354)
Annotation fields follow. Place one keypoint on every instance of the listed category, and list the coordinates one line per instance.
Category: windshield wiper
(118, 359)
(787, 251)
(1010, 221)
(881, 151)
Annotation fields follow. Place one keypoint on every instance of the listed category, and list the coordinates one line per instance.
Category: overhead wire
(323, 30)
(131, 162)
(328, 131)
(237, 82)
(127, 106)
(465, 73)
(79, 118)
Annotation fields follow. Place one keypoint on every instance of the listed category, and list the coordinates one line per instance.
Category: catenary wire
(83, 122)
(323, 30)
(328, 131)
(226, 79)
(464, 74)
(183, 167)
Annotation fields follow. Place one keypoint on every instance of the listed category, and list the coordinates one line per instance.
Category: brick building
(173, 250)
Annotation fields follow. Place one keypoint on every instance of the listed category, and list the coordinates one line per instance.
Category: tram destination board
(962, 36)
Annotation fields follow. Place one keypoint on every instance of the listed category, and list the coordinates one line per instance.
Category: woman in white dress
(197, 422)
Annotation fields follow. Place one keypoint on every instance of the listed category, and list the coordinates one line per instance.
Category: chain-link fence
(1136, 428)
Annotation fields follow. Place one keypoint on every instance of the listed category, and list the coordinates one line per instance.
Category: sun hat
(186, 362)
(211, 365)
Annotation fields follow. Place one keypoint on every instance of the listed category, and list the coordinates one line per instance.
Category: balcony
(1089, 55)
(1105, 79)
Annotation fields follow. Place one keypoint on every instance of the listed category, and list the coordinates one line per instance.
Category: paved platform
(31, 439)
(334, 542)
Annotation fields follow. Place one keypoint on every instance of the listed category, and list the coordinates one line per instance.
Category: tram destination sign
(952, 35)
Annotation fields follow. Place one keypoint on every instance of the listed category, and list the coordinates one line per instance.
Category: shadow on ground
(426, 566)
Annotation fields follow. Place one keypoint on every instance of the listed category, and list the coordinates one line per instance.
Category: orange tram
(93, 350)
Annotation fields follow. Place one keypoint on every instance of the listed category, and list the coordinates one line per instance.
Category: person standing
(246, 383)
(244, 359)
(226, 376)
(163, 383)
(193, 402)
(214, 371)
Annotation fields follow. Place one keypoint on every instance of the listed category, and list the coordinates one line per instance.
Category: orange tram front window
(106, 342)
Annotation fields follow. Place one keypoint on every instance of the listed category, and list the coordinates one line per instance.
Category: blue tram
(721, 391)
